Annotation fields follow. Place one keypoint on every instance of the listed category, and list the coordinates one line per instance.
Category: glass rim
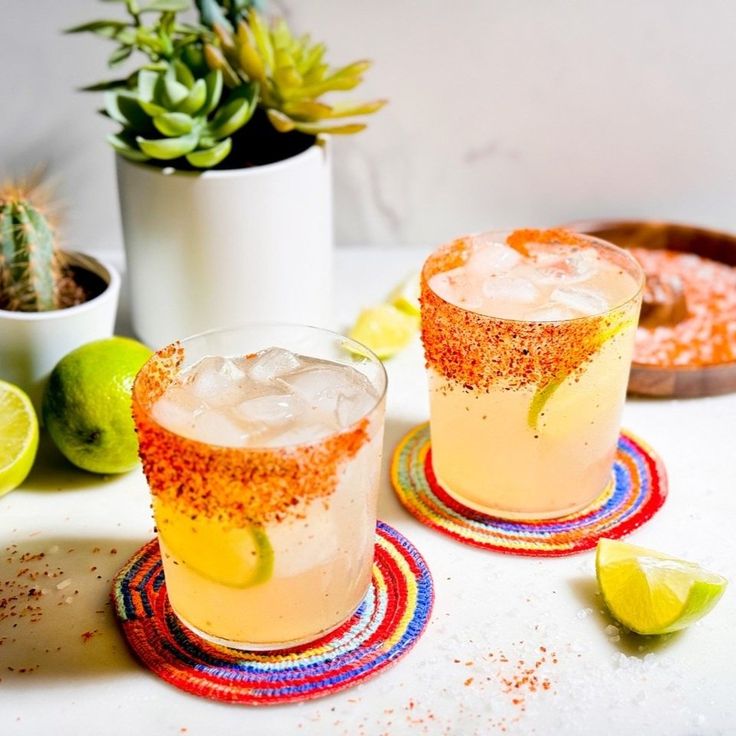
(502, 235)
(362, 350)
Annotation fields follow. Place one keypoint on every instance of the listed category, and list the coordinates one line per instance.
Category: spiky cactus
(291, 74)
(33, 277)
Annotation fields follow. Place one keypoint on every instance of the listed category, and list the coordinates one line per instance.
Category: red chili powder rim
(240, 486)
(479, 351)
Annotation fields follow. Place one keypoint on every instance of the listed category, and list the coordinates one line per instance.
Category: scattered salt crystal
(68, 600)
(611, 630)
(584, 613)
(63, 584)
(54, 549)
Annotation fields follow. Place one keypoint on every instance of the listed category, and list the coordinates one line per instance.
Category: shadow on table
(389, 506)
(53, 472)
(631, 644)
(56, 617)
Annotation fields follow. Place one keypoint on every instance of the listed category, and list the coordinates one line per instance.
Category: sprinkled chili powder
(707, 336)
(240, 486)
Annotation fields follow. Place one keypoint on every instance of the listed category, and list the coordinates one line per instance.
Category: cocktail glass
(525, 415)
(263, 547)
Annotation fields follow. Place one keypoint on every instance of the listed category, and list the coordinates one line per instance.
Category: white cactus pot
(215, 249)
(31, 343)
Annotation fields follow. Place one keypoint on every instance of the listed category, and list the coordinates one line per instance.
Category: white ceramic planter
(31, 343)
(218, 248)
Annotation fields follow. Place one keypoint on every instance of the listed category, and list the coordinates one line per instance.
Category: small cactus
(33, 277)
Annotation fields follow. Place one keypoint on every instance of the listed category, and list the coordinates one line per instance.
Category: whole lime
(87, 404)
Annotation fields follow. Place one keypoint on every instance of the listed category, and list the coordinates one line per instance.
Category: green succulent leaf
(105, 28)
(209, 157)
(167, 149)
(214, 91)
(183, 74)
(147, 79)
(119, 55)
(318, 128)
(151, 108)
(195, 100)
(235, 113)
(124, 108)
(169, 92)
(174, 123)
(105, 86)
(123, 147)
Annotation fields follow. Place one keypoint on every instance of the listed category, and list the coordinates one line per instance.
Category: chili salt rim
(358, 348)
(243, 485)
(466, 240)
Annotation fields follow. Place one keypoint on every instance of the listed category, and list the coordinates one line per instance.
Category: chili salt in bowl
(665, 380)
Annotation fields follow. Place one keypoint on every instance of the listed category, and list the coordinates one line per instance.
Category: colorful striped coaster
(387, 624)
(638, 490)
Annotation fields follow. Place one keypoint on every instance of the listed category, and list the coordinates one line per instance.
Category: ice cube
(320, 385)
(174, 416)
(353, 406)
(273, 409)
(216, 381)
(567, 266)
(300, 434)
(510, 289)
(584, 301)
(273, 363)
(216, 428)
(492, 258)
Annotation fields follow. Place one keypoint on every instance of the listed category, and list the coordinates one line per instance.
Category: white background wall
(503, 112)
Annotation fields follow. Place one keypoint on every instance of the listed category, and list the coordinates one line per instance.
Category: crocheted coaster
(638, 491)
(387, 624)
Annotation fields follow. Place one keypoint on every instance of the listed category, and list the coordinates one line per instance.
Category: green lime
(18, 436)
(406, 295)
(236, 557)
(87, 404)
(651, 593)
(385, 329)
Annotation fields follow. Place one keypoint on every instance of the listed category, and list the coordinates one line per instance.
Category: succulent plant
(33, 277)
(168, 113)
(291, 75)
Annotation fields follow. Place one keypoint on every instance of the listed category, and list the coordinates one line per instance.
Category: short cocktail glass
(262, 449)
(528, 338)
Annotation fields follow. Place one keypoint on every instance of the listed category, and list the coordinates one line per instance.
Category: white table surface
(601, 683)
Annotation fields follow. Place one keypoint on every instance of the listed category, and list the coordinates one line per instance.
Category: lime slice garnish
(385, 329)
(652, 593)
(544, 393)
(406, 295)
(18, 436)
(236, 557)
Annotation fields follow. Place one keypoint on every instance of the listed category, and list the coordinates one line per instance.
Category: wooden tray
(682, 381)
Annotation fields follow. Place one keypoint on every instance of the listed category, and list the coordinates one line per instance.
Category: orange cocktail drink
(262, 449)
(528, 338)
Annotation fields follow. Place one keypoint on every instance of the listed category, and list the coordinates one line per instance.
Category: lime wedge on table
(237, 557)
(406, 295)
(18, 436)
(385, 329)
(651, 593)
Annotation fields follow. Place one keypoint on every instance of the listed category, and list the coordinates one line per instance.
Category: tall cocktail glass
(262, 449)
(528, 338)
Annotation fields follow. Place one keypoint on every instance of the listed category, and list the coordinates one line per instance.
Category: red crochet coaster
(387, 624)
(637, 493)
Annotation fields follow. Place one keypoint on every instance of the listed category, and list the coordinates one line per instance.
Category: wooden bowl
(678, 381)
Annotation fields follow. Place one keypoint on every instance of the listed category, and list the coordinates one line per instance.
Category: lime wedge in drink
(18, 436)
(385, 329)
(236, 557)
(406, 295)
(651, 593)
